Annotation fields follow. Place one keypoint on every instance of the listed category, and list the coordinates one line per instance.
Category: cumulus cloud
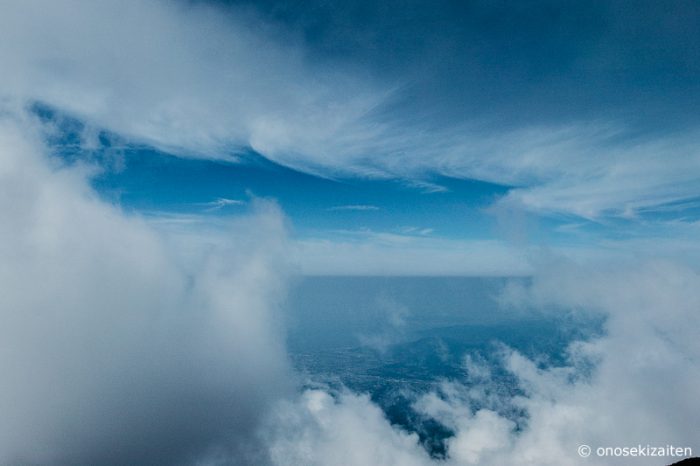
(117, 346)
(635, 385)
(319, 430)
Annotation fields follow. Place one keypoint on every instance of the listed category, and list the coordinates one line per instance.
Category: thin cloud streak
(355, 207)
(220, 203)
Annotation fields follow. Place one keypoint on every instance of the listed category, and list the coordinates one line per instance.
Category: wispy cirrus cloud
(354, 207)
(220, 203)
(250, 83)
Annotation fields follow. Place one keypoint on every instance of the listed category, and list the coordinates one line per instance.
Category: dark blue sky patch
(513, 62)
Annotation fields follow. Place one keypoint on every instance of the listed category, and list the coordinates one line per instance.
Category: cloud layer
(633, 386)
(206, 81)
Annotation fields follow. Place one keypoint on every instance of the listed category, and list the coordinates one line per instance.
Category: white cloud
(220, 203)
(119, 346)
(416, 231)
(358, 207)
(318, 430)
(183, 76)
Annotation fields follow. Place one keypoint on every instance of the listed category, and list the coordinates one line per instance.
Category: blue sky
(149, 182)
